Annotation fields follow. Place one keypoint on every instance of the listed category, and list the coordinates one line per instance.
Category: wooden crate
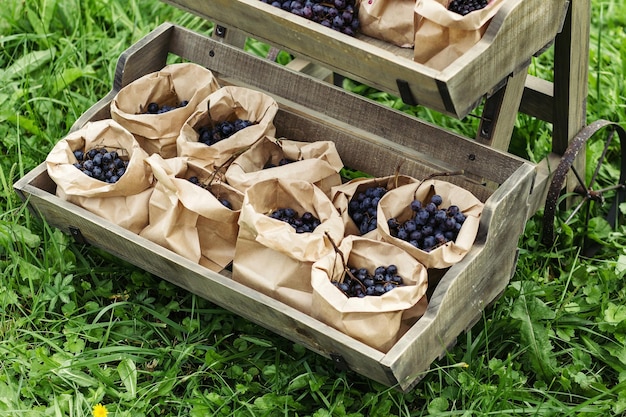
(369, 137)
(520, 29)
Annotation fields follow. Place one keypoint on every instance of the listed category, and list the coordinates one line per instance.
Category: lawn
(80, 327)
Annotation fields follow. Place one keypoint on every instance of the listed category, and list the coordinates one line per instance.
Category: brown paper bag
(124, 202)
(376, 320)
(442, 36)
(269, 255)
(315, 162)
(228, 103)
(190, 219)
(341, 196)
(173, 84)
(389, 20)
(396, 204)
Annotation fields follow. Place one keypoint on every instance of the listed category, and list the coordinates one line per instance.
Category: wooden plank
(537, 99)
(571, 68)
(571, 63)
(497, 123)
(309, 68)
(521, 28)
(230, 36)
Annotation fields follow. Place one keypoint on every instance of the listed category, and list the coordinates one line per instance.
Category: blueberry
(429, 242)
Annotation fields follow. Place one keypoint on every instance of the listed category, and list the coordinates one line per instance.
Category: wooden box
(369, 137)
(520, 29)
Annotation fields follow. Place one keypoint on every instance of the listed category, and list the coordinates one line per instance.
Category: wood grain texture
(520, 29)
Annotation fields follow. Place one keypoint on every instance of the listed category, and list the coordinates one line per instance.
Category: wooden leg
(500, 112)
(571, 68)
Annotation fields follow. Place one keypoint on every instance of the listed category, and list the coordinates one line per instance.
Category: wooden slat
(537, 99)
(521, 28)
(571, 63)
(571, 68)
(497, 124)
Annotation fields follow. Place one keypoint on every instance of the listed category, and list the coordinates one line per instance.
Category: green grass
(79, 327)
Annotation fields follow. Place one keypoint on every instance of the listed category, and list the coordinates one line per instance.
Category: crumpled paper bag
(316, 162)
(228, 103)
(190, 219)
(341, 196)
(442, 36)
(270, 256)
(157, 133)
(389, 20)
(396, 203)
(376, 320)
(124, 202)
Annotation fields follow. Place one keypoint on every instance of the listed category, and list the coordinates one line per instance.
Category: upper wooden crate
(519, 30)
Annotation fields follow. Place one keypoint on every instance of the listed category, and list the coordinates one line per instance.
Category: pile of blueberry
(359, 282)
(283, 161)
(430, 226)
(210, 135)
(340, 15)
(155, 108)
(362, 208)
(303, 224)
(464, 7)
(101, 164)
(195, 180)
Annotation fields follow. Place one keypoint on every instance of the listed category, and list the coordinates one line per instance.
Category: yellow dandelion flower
(100, 411)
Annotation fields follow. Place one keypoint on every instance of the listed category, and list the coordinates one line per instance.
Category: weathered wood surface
(520, 29)
(571, 58)
(500, 113)
(368, 136)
